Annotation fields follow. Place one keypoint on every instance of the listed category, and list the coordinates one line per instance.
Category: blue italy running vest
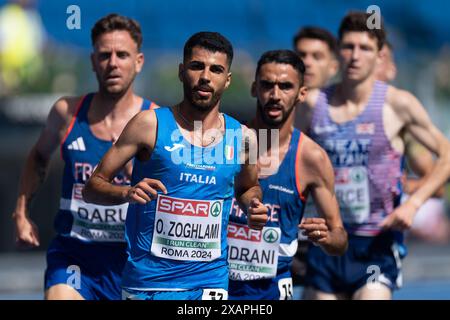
(178, 241)
(81, 152)
(254, 254)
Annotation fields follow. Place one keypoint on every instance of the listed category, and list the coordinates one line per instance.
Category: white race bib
(215, 294)
(93, 222)
(252, 254)
(286, 289)
(352, 193)
(188, 230)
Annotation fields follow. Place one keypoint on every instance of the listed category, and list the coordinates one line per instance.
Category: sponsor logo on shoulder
(77, 144)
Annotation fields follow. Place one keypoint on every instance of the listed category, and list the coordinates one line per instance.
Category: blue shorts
(277, 288)
(94, 270)
(367, 260)
(194, 294)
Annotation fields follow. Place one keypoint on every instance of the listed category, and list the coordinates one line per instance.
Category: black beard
(275, 123)
(201, 105)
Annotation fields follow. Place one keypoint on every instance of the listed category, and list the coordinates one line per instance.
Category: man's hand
(257, 214)
(401, 218)
(27, 234)
(315, 229)
(145, 191)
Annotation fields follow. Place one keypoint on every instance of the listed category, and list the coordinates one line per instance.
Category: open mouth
(274, 110)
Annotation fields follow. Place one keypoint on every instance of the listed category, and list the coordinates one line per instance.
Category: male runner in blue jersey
(189, 161)
(361, 122)
(260, 261)
(317, 48)
(86, 258)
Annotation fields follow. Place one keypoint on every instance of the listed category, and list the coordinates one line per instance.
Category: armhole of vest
(156, 132)
(297, 171)
(321, 98)
(72, 123)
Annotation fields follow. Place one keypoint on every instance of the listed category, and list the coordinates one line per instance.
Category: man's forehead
(118, 39)
(310, 44)
(279, 71)
(358, 36)
(204, 55)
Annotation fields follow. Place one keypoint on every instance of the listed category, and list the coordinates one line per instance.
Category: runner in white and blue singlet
(183, 182)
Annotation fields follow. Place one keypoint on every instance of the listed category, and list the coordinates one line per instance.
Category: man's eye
(217, 69)
(104, 56)
(122, 55)
(196, 66)
(285, 86)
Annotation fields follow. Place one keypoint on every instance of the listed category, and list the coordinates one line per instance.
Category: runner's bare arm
(328, 230)
(421, 162)
(418, 124)
(137, 139)
(36, 166)
(247, 190)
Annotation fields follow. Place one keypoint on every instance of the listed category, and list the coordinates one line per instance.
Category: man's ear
(181, 72)
(253, 89)
(139, 62)
(302, 93)
(228, 82)
(93, 61)
(334, 68)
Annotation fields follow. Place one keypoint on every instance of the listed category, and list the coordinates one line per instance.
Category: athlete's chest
(108, 130)
(343, 113)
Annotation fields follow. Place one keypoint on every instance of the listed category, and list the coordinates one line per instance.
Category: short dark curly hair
(357, 21)
(317, 33)
(282, 56)
(212, 41)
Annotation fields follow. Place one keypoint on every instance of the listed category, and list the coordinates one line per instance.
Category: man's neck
(105, 104)
(355, 92)
(285, 129)
(188, 114)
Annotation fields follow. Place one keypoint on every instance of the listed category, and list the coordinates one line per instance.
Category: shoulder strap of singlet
(164, 116)
(320, 110)
(297, 164)
(148, 105)
(83, 101)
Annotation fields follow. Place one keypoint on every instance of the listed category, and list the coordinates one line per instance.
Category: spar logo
(216, 208)
(270, 235)
(188, 207)
(242, 232)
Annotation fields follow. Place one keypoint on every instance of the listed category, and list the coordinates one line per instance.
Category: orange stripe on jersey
(297, 171)
(72, 123)
(153, 106)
